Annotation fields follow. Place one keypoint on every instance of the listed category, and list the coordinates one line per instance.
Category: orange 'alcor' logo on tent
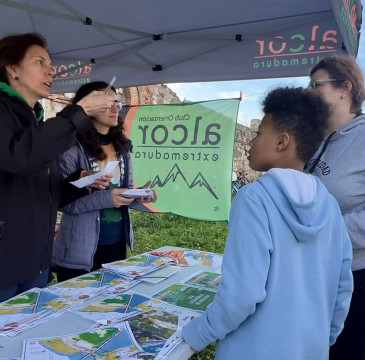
(297, 44)
(351, 14)
(68, 71)
(349, 17)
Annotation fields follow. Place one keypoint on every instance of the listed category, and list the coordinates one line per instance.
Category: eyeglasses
(116, 103)
(314, 83)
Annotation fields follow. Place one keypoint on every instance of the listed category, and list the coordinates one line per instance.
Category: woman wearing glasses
(340, 164)
(95, 228)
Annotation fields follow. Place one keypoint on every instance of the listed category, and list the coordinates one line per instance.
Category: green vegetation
(153, 231)
(156, 230)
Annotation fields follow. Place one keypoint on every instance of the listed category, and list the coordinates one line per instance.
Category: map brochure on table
(92, 284)
(30, 309)
(188, 297)
(203, 279)
(137, 266)
(93, 344)
(116, 308)
(160, 275)
(186, 257)
(122, 286)
(158, 331)
(149, 335)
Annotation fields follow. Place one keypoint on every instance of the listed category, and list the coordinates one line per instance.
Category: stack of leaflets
(150, 334)
(160, 275)
(137, 193)
(116, 308)
(128, 325)
(189, 297)
(138, 266)
(30, 309)
(195, 292)
(92, 284)
(204, 279)
(94, 343)
(186, 257)
(158, 331)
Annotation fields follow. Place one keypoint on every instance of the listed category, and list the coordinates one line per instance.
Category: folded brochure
(137, 193)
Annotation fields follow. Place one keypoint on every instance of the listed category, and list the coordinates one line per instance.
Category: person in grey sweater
(340, 164)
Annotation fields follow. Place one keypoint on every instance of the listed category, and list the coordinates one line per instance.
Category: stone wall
(150, 94)
(243, 136)
(137, 95)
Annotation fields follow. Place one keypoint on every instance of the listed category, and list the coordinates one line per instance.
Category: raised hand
(96, 103)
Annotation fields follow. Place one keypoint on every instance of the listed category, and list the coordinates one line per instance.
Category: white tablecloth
(68, 323)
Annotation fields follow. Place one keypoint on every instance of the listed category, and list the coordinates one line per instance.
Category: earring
(341, 97)
(16, 78)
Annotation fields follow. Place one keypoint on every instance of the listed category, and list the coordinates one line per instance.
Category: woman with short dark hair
(29, 172)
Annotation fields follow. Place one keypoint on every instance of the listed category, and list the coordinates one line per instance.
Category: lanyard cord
(311, 170)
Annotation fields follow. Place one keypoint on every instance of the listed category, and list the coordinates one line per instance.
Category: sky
(253, 91)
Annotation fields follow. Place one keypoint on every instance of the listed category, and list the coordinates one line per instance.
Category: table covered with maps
(129, 309)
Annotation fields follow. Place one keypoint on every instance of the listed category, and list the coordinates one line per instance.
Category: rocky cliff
(243, 136)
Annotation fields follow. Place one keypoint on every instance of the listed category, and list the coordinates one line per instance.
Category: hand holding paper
(102, 183)
(88, 180)
(153, 195)
(137, 193)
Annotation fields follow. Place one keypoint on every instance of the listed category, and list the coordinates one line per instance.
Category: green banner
(186, 150)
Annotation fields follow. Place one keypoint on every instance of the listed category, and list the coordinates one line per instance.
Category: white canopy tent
(149, 42)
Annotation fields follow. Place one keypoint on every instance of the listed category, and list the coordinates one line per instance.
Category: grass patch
(156, 230)
(153, 231)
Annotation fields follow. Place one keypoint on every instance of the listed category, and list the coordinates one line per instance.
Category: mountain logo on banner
(175, 174)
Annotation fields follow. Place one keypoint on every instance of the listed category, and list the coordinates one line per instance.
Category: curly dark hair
(301, 113)
(90, 139)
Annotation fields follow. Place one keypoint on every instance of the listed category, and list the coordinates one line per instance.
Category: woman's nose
(52, 70)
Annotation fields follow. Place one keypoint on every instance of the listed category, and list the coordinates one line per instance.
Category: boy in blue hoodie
(287, 281)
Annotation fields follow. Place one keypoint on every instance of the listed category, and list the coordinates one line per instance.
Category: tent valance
(150, 42)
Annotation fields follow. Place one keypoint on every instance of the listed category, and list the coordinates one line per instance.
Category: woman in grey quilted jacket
(96, 227)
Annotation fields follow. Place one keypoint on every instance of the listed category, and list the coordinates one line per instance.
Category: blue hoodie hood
(301, 199)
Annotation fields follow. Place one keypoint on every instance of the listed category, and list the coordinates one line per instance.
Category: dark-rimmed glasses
(314, 83)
